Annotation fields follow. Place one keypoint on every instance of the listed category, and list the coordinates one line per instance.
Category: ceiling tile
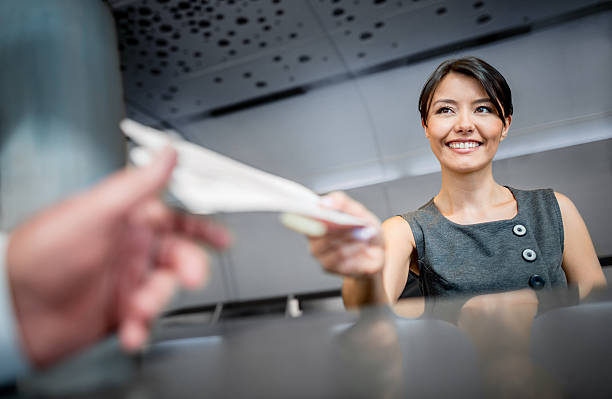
(188, 58)
(270, 72)
(301, 136)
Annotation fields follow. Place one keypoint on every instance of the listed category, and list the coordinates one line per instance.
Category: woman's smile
(463, 146)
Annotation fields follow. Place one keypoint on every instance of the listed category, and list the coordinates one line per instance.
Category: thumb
(130, 186)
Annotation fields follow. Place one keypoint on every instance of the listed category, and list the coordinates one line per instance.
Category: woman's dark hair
(491, 80)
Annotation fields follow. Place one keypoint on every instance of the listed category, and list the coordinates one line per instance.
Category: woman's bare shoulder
(396, 228)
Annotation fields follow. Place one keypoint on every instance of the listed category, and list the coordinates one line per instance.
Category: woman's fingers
(333, 256)
(349, 252)
(351, 258)
(367, 262)
(340, 201)
(303, 225)
(337, 238)
(331, 240)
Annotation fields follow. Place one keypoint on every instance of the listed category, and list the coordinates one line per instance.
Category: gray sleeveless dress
(522, 252)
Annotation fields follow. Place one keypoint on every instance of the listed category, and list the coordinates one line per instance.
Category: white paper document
(206, 182)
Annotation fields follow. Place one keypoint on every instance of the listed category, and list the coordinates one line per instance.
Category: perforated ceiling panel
(188, 58)
(196, 56)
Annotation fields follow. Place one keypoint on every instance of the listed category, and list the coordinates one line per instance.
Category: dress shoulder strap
(417, 220)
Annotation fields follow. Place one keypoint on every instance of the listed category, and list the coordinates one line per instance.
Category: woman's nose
(464, 123)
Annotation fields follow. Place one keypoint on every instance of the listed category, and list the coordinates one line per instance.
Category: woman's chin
(465, 167)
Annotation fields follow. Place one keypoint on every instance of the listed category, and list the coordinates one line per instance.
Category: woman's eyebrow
(451, 101)
(445, 100)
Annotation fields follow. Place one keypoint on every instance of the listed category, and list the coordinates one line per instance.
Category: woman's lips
(463, 147)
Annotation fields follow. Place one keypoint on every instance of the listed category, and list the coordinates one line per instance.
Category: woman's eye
(444, 110)
(484, 109)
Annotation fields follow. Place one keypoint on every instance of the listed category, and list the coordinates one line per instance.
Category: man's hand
(106, 259)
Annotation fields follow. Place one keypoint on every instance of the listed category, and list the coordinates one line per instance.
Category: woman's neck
(474, 197)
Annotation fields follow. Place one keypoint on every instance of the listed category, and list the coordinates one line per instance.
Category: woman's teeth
(469, 144)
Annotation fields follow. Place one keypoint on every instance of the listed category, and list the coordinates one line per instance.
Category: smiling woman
(498, 92)
(463, 120)
(475, 236)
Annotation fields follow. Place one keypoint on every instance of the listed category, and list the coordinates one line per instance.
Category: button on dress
(504, 255)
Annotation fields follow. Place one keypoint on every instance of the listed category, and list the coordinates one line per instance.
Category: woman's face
(462, 127)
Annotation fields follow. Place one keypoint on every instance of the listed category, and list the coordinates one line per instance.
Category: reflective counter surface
(508, 345)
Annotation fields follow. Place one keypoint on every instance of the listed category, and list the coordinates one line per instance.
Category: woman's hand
(349, 251)
(361, 254)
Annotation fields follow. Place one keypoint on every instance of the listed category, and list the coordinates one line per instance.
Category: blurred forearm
(364, 291)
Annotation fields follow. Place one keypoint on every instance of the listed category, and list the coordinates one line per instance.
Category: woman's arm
(374, 269)
(400, 255)
(387, 285)
(580, 262)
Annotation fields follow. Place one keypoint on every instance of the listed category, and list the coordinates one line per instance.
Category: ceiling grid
(184, 59)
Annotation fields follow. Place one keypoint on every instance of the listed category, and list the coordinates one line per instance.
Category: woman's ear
(506, 128)
(424, 127)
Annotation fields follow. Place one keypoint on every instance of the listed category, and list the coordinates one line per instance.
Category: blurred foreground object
(102, 261)
(60, 90)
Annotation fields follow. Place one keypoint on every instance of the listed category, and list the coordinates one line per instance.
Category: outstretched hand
(349, 252)
(106, 259)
